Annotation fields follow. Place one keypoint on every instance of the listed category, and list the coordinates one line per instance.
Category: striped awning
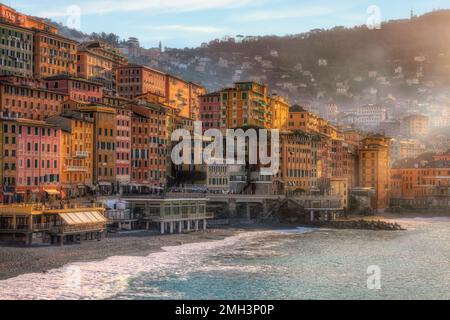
(85, 217)
(52, 192)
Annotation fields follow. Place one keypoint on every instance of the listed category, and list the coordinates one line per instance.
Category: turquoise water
(330, 264)
(286, 264)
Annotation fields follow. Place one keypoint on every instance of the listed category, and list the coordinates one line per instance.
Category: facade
(280, 112)
(298, 163)
(28, 99)
(195, 92)
(54, 55)
(303, 120)
(76, 88)
(211, 113)
(98, 62)
(77, 151)
(408, 148)
(421, 183)
(370, 115)
(218, 178)
(10, 15)
(31, 160)
(135, 80)
(104, 159)
(374, 169)
(149, 147)
(178, 95)
(247, 104)
(16, 50)
(415, 126)
(51, 224)
(123, 147)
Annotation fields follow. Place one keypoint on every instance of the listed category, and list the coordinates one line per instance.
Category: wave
(103, 279)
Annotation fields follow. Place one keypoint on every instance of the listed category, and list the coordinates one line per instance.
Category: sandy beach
(20, 259)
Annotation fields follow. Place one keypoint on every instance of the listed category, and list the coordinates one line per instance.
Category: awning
(85, 217)
(103, 184)
(52, 192)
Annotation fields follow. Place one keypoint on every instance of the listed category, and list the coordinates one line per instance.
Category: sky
(188, 23)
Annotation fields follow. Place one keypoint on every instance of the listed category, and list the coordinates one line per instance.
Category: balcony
(76, 169)
(81, 154)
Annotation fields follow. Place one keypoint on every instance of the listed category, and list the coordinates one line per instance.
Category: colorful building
(54, 55)
(374, 169)
(31, 160)
(98, 62)
(123, 147)
(299, 165)
(77, 151)
(247, 104)
(10, 15)
(28, 99)
(423, 182)
(302, 119)
(149, 148)
(76, 88)
(211, 114)
(105, 137)
(280, 112)
(16, 50)
(135, 80)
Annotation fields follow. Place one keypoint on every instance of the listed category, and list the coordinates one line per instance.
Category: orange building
(422, 182)
(247, 104)
(54, 55)
(302, 119)
(28, 98)
(374, 169)
(12, 16)
(99, 62)
(195, 92)
(77, 150)
(134, 80)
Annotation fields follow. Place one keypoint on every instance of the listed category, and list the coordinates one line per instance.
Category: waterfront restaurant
(50, 224)
(171, 215)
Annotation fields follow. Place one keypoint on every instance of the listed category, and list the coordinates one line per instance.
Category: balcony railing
(76, 169)
(81, 154)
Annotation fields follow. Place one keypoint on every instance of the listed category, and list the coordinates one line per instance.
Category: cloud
(177, 27)
(285, 13)
(150, 6)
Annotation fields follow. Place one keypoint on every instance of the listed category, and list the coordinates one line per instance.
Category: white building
(370, 115)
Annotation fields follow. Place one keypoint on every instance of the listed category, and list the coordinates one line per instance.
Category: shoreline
(16, 260)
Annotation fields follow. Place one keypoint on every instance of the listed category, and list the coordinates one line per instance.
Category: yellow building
(76, 152)
(52, 224)
(374, 169)
(280, 112)
(104, 159)
(340, 187)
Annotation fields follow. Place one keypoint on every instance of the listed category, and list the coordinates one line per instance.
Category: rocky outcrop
(360, 224)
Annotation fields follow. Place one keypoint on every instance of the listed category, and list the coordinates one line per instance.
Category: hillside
(404, 59)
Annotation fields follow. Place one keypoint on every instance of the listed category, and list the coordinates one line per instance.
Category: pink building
(210, 111)
(123, 148)
(76, 88)
(37, 160)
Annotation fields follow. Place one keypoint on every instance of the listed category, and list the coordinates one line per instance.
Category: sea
(297, 263)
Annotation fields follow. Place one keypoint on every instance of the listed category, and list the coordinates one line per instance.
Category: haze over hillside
(404, 59)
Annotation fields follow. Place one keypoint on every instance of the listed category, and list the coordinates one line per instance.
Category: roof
(70, 78)
(297, 108)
